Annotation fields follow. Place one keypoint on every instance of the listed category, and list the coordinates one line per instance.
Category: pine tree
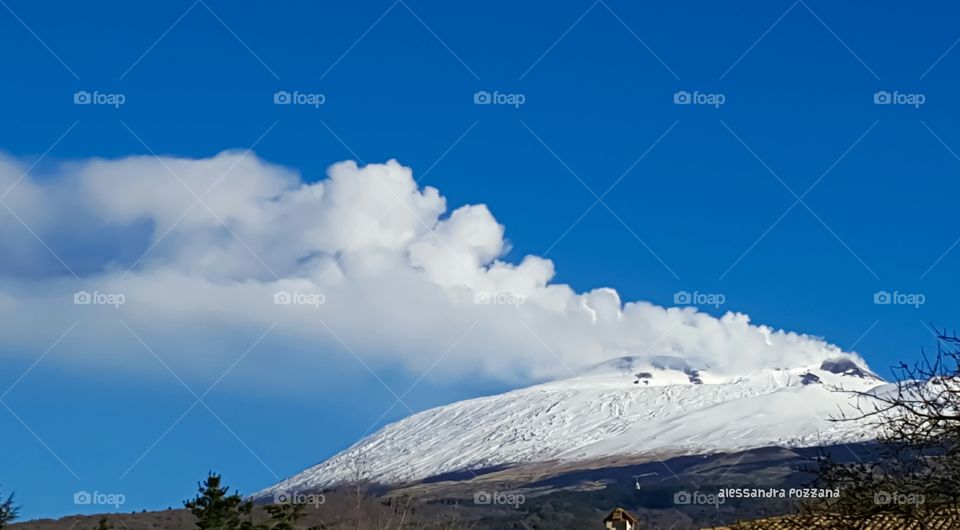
(217, 509)
(8, 511)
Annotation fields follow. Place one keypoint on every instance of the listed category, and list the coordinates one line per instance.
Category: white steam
(400, 280)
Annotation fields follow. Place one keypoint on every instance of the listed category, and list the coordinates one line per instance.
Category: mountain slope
(621, 407)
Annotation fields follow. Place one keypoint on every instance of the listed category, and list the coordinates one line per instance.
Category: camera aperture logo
(97, 298)
(299, 498)
(98, 498)
(82, 97)
(297, 298)
(882, 97)
(698, 298)
(282, 97)
(499, 98)
(698, 498)
(696, 97)
(505, 498)
(898, 298)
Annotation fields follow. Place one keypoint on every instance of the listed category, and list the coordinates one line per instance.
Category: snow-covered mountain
(621, 407)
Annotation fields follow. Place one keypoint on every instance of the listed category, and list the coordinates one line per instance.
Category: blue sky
(704, 198)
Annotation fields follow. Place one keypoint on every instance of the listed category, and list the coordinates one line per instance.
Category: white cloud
(400, 278)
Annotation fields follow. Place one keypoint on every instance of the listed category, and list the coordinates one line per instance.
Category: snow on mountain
(621, 407)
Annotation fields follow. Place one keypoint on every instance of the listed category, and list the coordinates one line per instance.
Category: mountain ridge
(624, 406)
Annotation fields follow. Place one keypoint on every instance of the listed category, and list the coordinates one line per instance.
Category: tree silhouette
(913, 480)
(217, 509)
(283, 516)
(8, 511)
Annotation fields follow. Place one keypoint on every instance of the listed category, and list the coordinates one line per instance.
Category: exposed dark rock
(845, 367)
